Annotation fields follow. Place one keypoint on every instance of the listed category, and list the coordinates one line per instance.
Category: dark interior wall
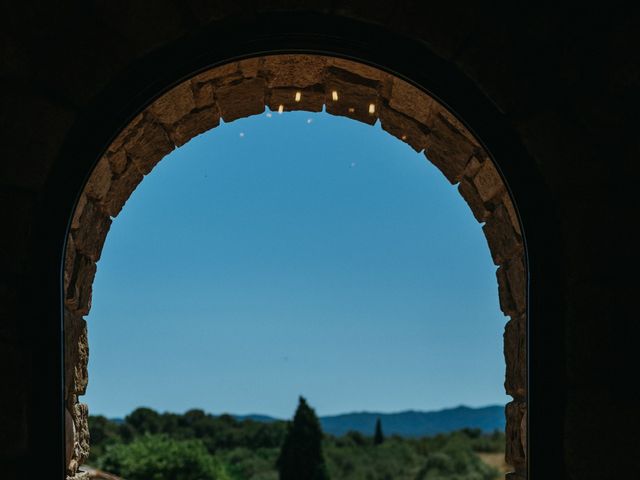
(564, 82)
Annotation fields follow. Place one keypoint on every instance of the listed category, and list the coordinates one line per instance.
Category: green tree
(378, 437)
(301, 453)
(158, 457)
(144, 420)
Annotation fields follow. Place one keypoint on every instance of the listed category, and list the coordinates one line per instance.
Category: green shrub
(158, 457)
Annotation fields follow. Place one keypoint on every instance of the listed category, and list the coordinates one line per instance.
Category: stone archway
(284, 83)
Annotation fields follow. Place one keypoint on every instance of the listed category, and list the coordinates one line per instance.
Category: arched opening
(294, 82)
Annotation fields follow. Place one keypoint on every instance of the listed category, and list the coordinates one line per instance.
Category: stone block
(354, 95)
(473, 166)
(195, 123)
(488, 181)
(407, 99)
(515, 354)
(356, 68)
(250, 67)
(173, 105)
(513, 215)
(507, 304)
(203, 94)
(118, 161)
(291, 71)
(77, 212)
(472, 197)
(516, 433)
(121, 188)
(448, 149)
(308, 99)
(76, 355)
(503, 240)
(218, 74)
(78, 295)
(458, 125)
(126, 133)
(80, 414)
(517, 278)
(100, 180)
(93, 226)
(148, 144)
(241, 99)
(69, 261)
(404, 128)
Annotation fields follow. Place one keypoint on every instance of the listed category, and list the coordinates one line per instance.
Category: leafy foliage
(168, 446)
(158, 457)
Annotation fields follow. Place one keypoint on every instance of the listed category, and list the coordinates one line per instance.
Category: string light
(372, 108)
(334, 96)
(351, 109)
(298, 96)
(281, 108)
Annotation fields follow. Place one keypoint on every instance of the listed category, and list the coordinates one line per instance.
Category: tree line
(200, 446)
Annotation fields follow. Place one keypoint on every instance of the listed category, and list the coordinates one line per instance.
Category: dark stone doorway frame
(296, 33)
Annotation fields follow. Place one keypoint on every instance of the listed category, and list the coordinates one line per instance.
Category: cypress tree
(378, 437)
(301, 453)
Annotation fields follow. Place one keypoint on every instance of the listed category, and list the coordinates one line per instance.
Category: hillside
(415, 423)
(410, 423)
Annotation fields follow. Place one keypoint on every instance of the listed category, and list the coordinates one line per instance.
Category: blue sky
(291, 254)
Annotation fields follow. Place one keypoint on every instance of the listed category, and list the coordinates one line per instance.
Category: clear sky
(292, 254)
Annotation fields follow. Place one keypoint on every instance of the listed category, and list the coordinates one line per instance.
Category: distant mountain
(414, 423)
(256, 418)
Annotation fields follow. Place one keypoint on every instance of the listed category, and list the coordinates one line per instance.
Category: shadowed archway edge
(296, 33)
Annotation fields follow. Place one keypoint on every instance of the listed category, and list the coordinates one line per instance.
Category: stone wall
(285, 83)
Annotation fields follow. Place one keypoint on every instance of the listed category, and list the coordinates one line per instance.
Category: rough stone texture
(355, 95)
(241, 99)
(76, 355)
(241, 89)
(515, 353)
(92, 228)
(311, 99)
(78, 295)
(174, 105)
(488, 182)
(516, 435)
(147, 145)
(503, 240)
(404, 128)
(448, 149)
(294, 71)
(99, 183)
(473, 199)
(196, 122)
(80, 416)
(405, 99)
(69, 438)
